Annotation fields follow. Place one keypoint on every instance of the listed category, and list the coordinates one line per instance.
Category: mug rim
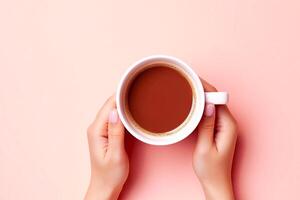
(191, 124)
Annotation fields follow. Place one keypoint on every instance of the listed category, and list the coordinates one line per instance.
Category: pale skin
(212, 157)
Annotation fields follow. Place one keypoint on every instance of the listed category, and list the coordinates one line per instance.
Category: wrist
(99, 191)
(218, 190)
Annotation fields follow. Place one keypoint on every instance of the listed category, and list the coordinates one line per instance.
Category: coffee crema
(159, 99)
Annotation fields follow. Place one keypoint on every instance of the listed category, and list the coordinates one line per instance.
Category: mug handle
(217, 98)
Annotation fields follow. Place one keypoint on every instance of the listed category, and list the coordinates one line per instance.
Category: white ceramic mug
(199, 99)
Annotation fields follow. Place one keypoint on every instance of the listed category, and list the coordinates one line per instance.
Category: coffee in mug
(160, 100)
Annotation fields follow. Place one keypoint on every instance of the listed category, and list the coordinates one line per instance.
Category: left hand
(109, 160)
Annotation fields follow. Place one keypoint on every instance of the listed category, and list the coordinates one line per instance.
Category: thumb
(206, 128)
(115, 131)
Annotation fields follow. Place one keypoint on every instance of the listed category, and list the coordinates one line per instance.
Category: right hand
(213, 155)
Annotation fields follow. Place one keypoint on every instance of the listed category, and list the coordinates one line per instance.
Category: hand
(213, 155)
(109, 161)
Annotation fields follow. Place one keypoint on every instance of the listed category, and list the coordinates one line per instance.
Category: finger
(206, 128)
(97, 131)
(207, 87)
(226, 129)
(115, 132)
(99, 125)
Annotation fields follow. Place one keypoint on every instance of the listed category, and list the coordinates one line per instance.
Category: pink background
(60, 60)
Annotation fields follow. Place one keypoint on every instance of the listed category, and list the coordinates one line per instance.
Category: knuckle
(233, 126)
(201, 158)
(108, 100)
(210, 88)
(234, 120)
(202, 153)
(233, 129)
(213, 88)
(230, 122)
(207, 86)
(90, 130)
(116, 158)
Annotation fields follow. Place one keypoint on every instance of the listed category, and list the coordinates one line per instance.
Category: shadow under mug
(199, 99)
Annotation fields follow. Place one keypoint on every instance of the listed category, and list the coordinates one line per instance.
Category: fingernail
(209, 110)
(113, 116)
